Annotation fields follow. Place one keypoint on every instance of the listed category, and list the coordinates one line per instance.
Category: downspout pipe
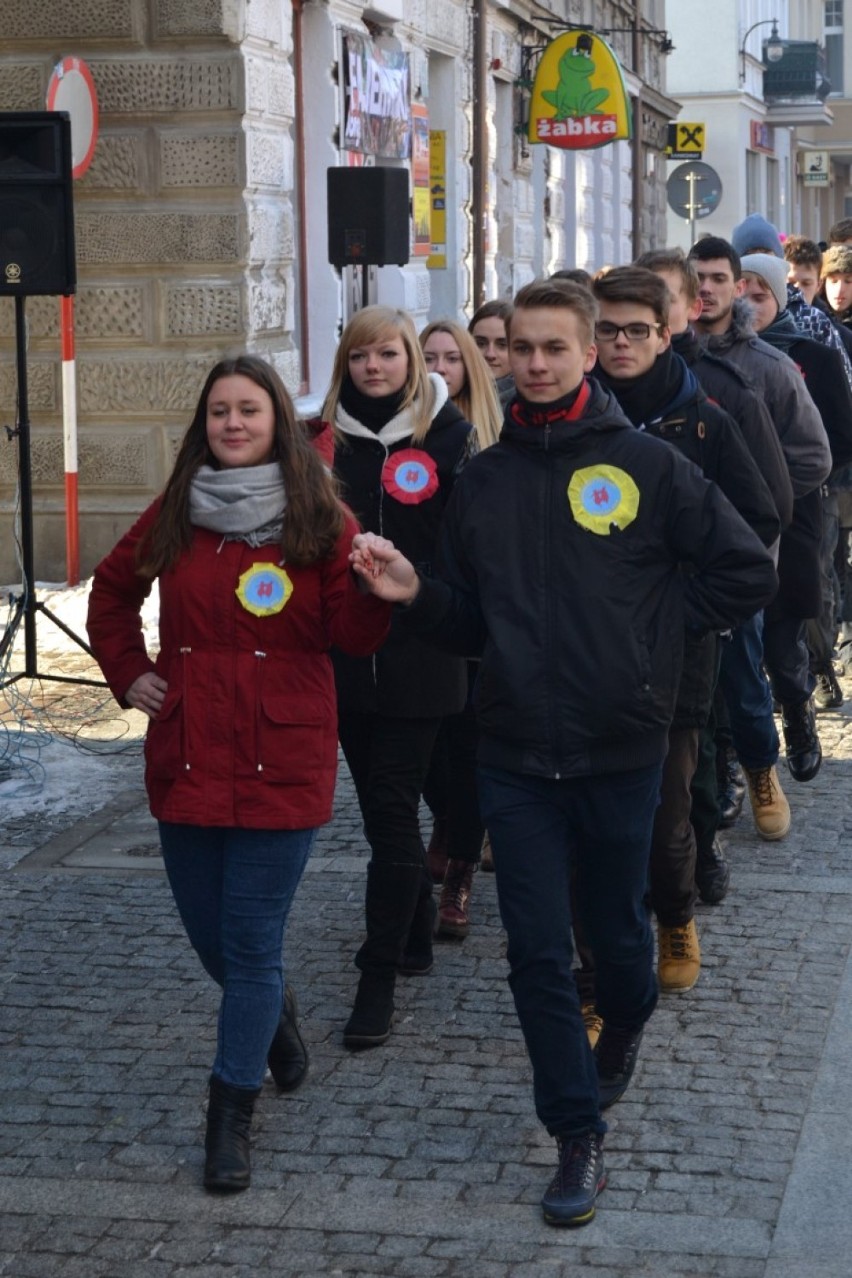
(479, 157)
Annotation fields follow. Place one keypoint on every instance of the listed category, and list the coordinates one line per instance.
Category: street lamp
(774, 45)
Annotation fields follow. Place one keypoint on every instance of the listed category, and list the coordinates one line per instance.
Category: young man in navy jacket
(563, 550)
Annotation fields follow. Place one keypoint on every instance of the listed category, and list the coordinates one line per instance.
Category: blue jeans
(539, 828)
(748, 696)
(233, 889)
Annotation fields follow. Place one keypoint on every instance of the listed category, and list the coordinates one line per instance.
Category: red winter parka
(247, 735)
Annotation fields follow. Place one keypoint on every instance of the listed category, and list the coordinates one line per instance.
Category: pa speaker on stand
(369, 218)
(36, 258)
(36, 205)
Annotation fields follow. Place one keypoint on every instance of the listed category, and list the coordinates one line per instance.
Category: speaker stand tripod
(26, 605)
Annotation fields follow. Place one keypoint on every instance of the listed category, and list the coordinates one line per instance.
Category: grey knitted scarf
(244, 503)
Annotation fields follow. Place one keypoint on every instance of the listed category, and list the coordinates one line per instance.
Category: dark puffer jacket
(562, 564)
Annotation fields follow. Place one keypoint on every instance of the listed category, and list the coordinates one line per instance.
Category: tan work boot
(769, 807)
(679, 962)
(592, 1022)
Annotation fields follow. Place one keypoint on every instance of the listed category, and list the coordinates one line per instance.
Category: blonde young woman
(400, 443)
(450, 790)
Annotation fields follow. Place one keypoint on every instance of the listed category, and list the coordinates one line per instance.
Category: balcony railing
(798, 73)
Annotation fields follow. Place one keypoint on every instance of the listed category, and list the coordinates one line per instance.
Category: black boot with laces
(580, 1177)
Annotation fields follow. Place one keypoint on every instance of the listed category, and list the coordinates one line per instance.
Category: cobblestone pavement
(731, 1154)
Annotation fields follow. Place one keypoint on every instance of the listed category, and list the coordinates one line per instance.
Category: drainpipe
(637, 165)
(301, 216)
(479, 157)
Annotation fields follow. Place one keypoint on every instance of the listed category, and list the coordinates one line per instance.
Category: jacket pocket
(290, 739)
(166, 754)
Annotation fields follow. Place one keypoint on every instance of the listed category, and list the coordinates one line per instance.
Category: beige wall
(184, 233)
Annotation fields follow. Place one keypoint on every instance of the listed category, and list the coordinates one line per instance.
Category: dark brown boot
(453, 917)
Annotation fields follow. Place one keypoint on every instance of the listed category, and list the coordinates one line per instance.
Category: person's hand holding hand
(147, 693)
(382, 569)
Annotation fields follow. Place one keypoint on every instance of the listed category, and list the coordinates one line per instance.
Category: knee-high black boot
(391, 901)
(227, 1168)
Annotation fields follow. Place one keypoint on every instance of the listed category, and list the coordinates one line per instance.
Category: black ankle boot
(227, 1168)
(803, 749)
(370, 1022)
(288, 1056)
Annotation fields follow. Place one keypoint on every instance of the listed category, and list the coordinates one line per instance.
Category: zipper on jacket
(184, 730)
(552, 646)
(261, 656)
(374, 660)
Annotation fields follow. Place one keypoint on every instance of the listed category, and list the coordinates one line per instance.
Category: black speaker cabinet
(368, 216)
(36, 205)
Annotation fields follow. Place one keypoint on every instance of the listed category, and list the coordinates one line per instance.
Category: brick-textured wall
(184, 236)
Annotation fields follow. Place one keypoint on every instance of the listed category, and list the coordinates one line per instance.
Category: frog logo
(579, 100)
(573, 96)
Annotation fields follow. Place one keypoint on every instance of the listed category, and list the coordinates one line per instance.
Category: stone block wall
(184, 236)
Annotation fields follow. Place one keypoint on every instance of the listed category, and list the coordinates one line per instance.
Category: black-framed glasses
(606, 331)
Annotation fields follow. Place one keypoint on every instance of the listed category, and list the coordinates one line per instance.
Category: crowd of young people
(566, 565)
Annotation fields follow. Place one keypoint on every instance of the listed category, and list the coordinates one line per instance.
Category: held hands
(147, 693)
(382, 570)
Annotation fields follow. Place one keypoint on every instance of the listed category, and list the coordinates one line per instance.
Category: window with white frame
(833, 37)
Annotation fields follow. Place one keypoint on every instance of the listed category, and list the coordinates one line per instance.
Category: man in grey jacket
(726, 327)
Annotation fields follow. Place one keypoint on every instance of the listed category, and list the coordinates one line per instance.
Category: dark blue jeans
(748, 696)
(233, 890)
(539, 828)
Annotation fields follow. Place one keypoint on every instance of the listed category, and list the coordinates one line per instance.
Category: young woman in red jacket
(249, 542)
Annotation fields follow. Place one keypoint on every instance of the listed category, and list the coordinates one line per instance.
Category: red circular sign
(72, 89)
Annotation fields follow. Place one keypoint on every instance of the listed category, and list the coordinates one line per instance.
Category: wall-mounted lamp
(774, 47)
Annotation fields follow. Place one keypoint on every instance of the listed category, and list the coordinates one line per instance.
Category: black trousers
(389, 759)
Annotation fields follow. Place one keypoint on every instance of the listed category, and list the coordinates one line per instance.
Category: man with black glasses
(662, 397)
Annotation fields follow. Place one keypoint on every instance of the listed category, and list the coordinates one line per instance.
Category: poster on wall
(579, 98)
(377, 112)
(437, 259)
(420, 180)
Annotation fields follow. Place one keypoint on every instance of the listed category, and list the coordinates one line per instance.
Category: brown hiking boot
(453, 905)
(592, 1022)
(769, 807)
(679, 961)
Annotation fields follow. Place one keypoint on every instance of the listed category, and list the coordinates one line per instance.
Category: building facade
(202, 225)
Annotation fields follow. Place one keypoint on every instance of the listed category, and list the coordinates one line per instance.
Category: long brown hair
(313, 516)
(373, 324)
(477, 399)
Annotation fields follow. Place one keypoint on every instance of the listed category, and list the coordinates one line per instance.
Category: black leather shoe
(616, 1054)
(732, 789)
(580, 1177)
(802, 747)
(227, 1166)
(712, 873)
(288, 1056)
(828, 694)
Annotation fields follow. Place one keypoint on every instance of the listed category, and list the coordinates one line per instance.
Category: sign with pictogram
(685, 140)
(815, 168)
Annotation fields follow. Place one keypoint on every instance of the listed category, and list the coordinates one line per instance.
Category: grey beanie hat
(771, 269)
(756, 233)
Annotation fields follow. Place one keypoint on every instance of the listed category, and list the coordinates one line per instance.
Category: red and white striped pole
(69, 436)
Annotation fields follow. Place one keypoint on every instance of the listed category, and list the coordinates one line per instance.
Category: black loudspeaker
(369, 220)
(36, 205)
